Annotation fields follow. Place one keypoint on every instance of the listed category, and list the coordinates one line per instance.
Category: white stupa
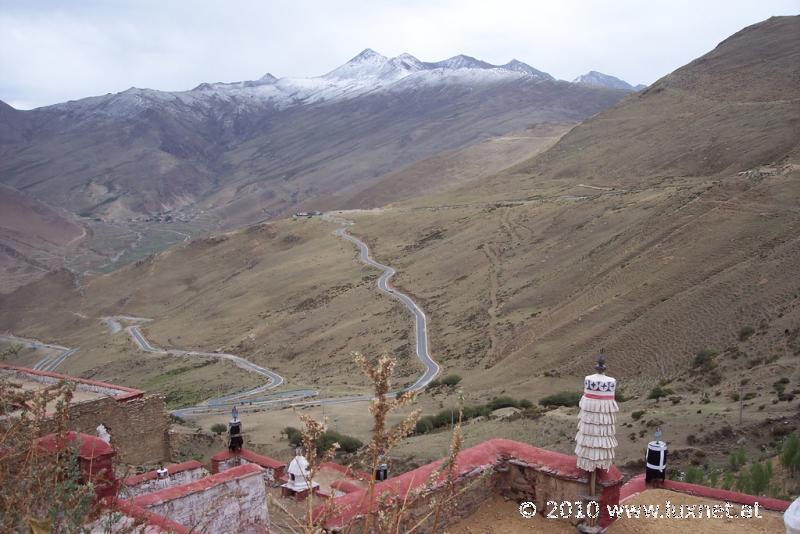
(299, 483)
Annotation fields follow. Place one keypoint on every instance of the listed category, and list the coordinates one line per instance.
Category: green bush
(745, 332)
(704, 359)
(694, 475)
(424, 425)
(346, 443)
(564, 398)
(433, 384)
(503, 402)
(780, 385)
(294, 436)
(218, 428)
(737, 459)
(471, 412)
(637, 414)
(451, 380)
(790, 453)
(446, 417)
(449, 416)
(659, 392)
(760, 476)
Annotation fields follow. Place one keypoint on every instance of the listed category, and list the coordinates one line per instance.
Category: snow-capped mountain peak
(461, 61)
(518, 66)
(598, 79)
(408, 62)
(367, 72)
(368, 63)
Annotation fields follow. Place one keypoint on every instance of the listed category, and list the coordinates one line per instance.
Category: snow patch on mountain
(598, 79)
(367, 72)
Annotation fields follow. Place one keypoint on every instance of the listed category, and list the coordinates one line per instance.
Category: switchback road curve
(421, 320)
(257, 397)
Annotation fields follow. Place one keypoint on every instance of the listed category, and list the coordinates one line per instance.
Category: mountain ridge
(600, 79)
(229, 154)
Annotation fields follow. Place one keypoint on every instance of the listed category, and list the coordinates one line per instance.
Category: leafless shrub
(388, 512)
(39, 491)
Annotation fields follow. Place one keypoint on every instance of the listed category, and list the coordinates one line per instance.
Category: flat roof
(698, 521)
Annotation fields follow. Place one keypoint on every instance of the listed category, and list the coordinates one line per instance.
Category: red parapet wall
(492, 454)
(172, 469)
(219, 460)
(123, 393)
(637, 485)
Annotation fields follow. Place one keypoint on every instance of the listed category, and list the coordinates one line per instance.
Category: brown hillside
(732, 109)
(458, 167)
(34, 238)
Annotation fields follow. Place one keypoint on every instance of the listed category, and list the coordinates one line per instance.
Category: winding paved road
(48, 363)
(225, 402)
(256, 397)
(421, 321)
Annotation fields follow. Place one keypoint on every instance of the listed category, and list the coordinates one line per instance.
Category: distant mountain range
(235, 153)
(367, 72)
(261, 148)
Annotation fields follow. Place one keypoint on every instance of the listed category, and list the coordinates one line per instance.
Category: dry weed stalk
(383, 439)
(312, 432)
(39, 491)
(387, 513)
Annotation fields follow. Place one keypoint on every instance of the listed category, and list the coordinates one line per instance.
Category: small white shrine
(299, 484)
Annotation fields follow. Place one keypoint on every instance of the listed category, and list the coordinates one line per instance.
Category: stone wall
(231, 502)
(138, 423)
(138, 426)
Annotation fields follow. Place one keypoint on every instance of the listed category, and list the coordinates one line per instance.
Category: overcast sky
(52, 51)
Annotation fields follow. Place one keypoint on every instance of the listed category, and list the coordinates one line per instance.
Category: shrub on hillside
(659, 392)
(294, 436)
(218, 428)
(790, 453)
(737, 459)
(745, 332)
(703, 359)
(564, 398)
(694, 475)
(449, 416)
(503, 402)
(346, 443)
(424, 425)
(451, 380)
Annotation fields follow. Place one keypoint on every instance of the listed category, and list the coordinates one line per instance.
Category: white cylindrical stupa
(299, 477)
(596, 439)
